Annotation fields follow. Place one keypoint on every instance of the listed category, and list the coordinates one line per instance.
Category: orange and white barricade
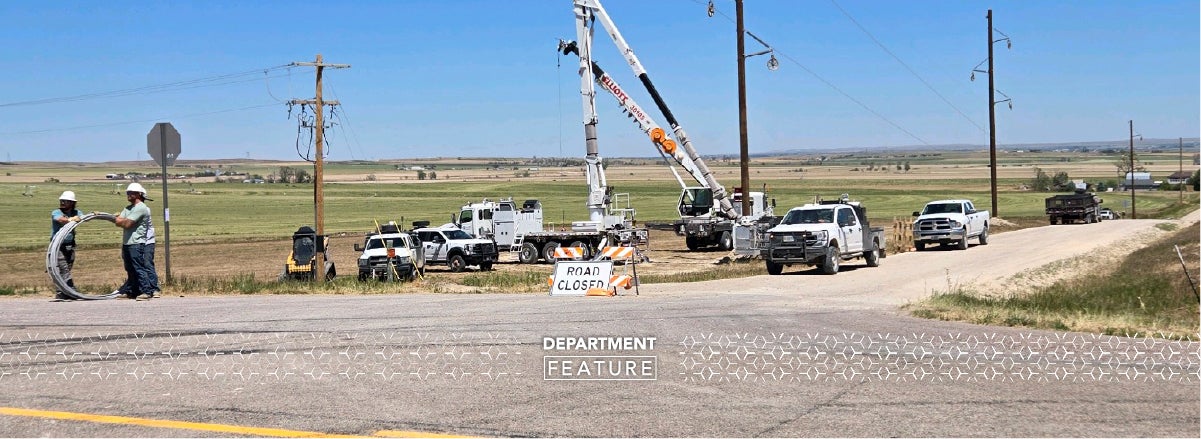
(573, 253)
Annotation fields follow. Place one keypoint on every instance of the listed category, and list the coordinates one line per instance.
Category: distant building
(1179, 177)
(1139, 181)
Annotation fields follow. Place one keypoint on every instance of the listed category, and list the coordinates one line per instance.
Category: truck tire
(774, 268)
(984, 236)
(548, 251)
(691, 242)
(727, 241)
(1054, 221)
(1089, 219)
(873, 257)
(486, 266)
(587, 253)
(362, 276)
(528, 254)
(456, 263)
(962, 244)
(831, 261)
(920, 246)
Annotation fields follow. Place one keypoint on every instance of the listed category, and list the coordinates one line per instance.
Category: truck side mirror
(773, 202)
(454, 220)
(358, 247)
(917, 214)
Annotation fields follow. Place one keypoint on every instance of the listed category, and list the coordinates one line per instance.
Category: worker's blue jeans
(138, 273)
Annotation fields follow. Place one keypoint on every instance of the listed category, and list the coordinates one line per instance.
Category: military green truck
(1079, 206)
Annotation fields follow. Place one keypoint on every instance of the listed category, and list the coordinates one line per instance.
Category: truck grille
(488, 248)
(798, 239)
(937, 224)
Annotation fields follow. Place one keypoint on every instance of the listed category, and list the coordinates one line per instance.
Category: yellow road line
(201, 426)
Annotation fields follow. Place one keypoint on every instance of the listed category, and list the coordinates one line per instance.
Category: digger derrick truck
(707, 216)
(519, 228)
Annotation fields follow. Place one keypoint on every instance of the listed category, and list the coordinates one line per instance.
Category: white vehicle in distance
(456, 248)
(390, 255)
(946, 222)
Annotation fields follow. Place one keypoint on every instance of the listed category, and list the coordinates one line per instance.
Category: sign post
(162, 143)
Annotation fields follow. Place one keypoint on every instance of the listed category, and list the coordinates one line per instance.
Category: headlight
(956, 224)
(404, 260)
(771, 236)
(821, 235)
(363, 262)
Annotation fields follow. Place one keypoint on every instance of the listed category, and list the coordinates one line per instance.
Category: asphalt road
(800, 354)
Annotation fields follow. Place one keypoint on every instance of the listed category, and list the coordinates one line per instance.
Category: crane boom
(586, 13)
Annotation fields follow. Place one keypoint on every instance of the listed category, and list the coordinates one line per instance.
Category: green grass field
(205, 212)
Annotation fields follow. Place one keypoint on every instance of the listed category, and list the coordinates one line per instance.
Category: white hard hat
(67, 195)
(136, 187)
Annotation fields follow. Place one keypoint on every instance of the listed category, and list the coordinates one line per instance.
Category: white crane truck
(707, 216)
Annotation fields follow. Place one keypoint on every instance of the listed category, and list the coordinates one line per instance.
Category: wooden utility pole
(743, 148)
(1133, 209)
(992, 124)
(318, 172)
(1180, 174)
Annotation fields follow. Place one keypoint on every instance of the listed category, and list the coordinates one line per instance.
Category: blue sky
(482, 78)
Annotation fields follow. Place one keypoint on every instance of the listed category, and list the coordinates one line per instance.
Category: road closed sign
(575, 278)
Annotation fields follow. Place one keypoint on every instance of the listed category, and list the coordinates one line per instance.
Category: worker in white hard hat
(65, 213)
(138, 227)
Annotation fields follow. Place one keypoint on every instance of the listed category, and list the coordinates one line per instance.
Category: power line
(157, 88)
(159, 119)
(712, 9)
(903, 64)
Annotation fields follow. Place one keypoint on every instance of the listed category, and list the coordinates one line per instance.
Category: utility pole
(318, 172)
(992, 111)
(744, 155)
(1180, 174)
(1133, 209)
(992, 124)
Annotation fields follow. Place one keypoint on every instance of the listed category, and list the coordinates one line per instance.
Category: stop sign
(163, 143)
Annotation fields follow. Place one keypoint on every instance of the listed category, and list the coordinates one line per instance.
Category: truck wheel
(920, 246)
(456, 263)
(412, 277)
(873, 257)
(962, 244)
(984, 237)
(362, 276)
(528, 253)
(727, 241)
(1090, 219)
(691, 243)
(774, 268)
(1054, 220)
(830, 263)
(486, 266)
(548, 251)
(586, 253)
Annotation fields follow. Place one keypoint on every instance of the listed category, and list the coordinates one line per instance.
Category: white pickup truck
(824, 235)
(944, 222)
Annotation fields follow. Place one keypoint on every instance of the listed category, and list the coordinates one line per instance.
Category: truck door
(973, 226)
(434, 244)
(852, 231)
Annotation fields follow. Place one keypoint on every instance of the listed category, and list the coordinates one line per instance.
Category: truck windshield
(943, 208)
(813, 216)
(696, 201)
(396, 242)
(457, 234)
